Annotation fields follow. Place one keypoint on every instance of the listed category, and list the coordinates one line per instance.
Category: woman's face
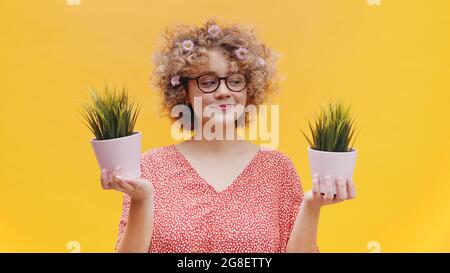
(215, 101)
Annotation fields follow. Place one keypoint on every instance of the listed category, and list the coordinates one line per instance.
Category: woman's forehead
(220, 63)
(216, 72)
(219, 68)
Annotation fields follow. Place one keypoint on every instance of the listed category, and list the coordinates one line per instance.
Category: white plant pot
(123, 151)
(333, 164)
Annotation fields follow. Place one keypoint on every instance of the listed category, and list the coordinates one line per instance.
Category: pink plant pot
(123, 151)
(333, 164)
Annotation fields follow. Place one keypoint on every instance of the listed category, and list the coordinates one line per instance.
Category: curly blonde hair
(171, 59)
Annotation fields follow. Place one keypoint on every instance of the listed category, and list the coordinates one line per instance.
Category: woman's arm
(137, 213)
(139, 228)
(304, 233)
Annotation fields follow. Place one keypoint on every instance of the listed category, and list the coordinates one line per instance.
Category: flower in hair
(187, 45)
(175, 80)
(241, 53)
(213, 31)
(260, 62)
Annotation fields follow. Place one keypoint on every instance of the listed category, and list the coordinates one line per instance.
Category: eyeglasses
(209, 83)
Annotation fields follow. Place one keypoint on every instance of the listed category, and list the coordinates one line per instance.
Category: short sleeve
(123, 218)
(291, 196)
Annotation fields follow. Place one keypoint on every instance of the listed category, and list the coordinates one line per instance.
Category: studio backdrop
(389, 58)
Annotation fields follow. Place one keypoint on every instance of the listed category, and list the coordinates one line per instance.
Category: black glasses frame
(220, 81)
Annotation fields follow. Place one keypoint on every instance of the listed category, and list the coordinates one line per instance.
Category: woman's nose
(222, 90)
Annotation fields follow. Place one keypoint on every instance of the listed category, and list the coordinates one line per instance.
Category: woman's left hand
(345, 191)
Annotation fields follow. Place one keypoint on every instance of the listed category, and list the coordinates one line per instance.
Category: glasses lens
(236, 82)
(208, 83)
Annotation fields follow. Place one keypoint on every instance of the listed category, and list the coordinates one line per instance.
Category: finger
(109, 176)
(117, 183)
(316, 186)
(104, 179)
(351, 190)
(107, 179)
(126, 186)
(328, 189)
(116, 171)
(341, 187)
(103, 175)
(113, 176)
(133, 183)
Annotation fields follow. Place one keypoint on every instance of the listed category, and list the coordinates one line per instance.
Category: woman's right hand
(138, 189)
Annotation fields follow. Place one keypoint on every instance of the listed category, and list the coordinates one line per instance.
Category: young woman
(219, 195)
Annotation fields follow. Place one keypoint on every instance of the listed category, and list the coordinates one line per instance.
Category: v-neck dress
(255, 213)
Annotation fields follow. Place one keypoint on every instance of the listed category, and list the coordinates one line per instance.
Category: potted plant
(111, 117)
(330, 152)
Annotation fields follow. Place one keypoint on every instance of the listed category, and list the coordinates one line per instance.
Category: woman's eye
(208, 83)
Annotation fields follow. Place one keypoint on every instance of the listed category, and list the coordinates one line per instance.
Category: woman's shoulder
(279, 164)
(275, 156)
(157, 154)
(156, 162)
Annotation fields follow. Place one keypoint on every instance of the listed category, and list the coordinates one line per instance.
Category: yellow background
(391, 61)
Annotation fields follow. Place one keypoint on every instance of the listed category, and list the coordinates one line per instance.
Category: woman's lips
(225, 106)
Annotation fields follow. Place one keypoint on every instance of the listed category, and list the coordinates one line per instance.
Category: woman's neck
(235, 145)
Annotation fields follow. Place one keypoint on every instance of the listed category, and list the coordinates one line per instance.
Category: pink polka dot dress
(255, 213)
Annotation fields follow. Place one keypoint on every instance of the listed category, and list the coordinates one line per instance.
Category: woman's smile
(225, 107)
